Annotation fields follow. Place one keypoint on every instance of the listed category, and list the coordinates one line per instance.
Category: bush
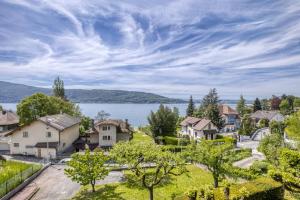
(174, 148)
(168, 140)
(259, 167)
(262, 189)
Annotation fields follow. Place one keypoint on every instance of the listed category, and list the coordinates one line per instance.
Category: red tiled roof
(227, 110)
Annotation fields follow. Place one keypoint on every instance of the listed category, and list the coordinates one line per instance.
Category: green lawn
(179, 185)
(139, 136)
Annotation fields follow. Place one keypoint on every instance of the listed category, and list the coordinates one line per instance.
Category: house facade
(230, 117)
(8, 121)
(46, 137)
(105, 134)
(264, 114)
(198, 128)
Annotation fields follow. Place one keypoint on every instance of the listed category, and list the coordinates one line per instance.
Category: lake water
(135, 113)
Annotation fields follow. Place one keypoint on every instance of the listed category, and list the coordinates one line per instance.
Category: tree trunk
(93, 187)
(150, 193)
(216, 182)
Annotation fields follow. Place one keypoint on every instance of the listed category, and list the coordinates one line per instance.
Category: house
(231, 118)
(46, 137)
(264, 114)
(198, 128)
(105, 134)
(8, 121)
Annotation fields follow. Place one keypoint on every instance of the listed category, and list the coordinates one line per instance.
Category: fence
(16, 180)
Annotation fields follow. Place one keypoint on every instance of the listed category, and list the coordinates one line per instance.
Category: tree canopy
(163, 121)
(39, 105)
(241, 105)
(138, 157)
(256, 105)
(87, 168)
(191, 107)
(59, 88)
(102, 115)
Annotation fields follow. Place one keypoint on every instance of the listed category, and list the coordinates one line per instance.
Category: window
(25, 134)
(29, 147)
(106, 137)
(48, 134)
(16, 144)
(106, 128)
(64, 144)
(209, 126)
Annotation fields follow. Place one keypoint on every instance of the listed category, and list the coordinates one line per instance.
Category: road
(54, 184)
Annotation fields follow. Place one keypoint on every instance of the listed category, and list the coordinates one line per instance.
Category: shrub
(168, 140)
(262, 188)
(259, 167)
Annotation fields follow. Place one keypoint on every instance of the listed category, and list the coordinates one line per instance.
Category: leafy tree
(85, 124)
(263, 123)
(296, 103)
(285, 107)
(87, 168)
(163, 121)
(265, 104)
(39, 105)
(288, 171)
(137, 156)
(102, 115)
(191, 107)
(247, 126)
(256, 105)
(293, 126)
(277, 127)
(209, 108)
(241, 105)
(270, 146)
(275, 102)
(213, 156)
(59, 88)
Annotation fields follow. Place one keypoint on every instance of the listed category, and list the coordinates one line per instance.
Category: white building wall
(112, 132)
(36, 133)
(68, 136)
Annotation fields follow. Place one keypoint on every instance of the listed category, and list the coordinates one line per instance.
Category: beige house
(230, 117)
(198, 128)
(46, 137)
(105, 134)
(8, 121)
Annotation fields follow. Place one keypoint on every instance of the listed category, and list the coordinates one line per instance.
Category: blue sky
(174, 48)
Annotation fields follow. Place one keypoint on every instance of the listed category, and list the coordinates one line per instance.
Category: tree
(39, 105)
(265, 104)
(209, 108)
(1, 108)
(247, 126)
(263, 123)
(241, 105)
(163, 121)
(85, 124)
(58, 88)
(275, 102)
(293, 126)
(296, 103)
(285, 107)
(277, 127)
(256, 105)
(270, 146)
(87, 168)
(138, 156)
(102, 115)
(213, 156)
(191, 107)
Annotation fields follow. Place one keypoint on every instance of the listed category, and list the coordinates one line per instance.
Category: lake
(135, 113)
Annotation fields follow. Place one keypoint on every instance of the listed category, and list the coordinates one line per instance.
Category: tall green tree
(191, 107)
(39, 105)
(265, 104)
(59, 88)
(296, 103)
(256, 105)
(285, 107)
(163, 121)
(209, 108)
(137, 157)
(85, 124)
(241, 106)
(247, 126)
(87, 168)
(293, 126)
(213, 156)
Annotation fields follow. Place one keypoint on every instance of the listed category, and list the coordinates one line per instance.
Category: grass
(178, 185)
(139, 136)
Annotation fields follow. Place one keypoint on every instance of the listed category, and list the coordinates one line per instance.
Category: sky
(174, 48)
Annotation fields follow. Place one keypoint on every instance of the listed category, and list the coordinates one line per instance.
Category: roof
(51, 145)
(227, 110)
(8, 118)
(263, 114)
(60, 121)
(122, 126)
(190, 120)
(201, 124)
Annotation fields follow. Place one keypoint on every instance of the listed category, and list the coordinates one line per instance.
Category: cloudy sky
(173, 48)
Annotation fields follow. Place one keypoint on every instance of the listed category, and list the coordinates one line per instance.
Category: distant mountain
(14, 93)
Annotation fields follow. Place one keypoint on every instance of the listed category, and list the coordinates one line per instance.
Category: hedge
(259, 189)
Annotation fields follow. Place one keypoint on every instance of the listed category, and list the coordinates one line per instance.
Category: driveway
(54, 184)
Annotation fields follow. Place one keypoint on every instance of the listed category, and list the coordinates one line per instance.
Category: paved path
(53, 184)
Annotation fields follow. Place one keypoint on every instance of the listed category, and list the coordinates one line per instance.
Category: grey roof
(263, 114)
(60, 121)
(195, 122)
(201, 124)
(190, 120)
(8, 118)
